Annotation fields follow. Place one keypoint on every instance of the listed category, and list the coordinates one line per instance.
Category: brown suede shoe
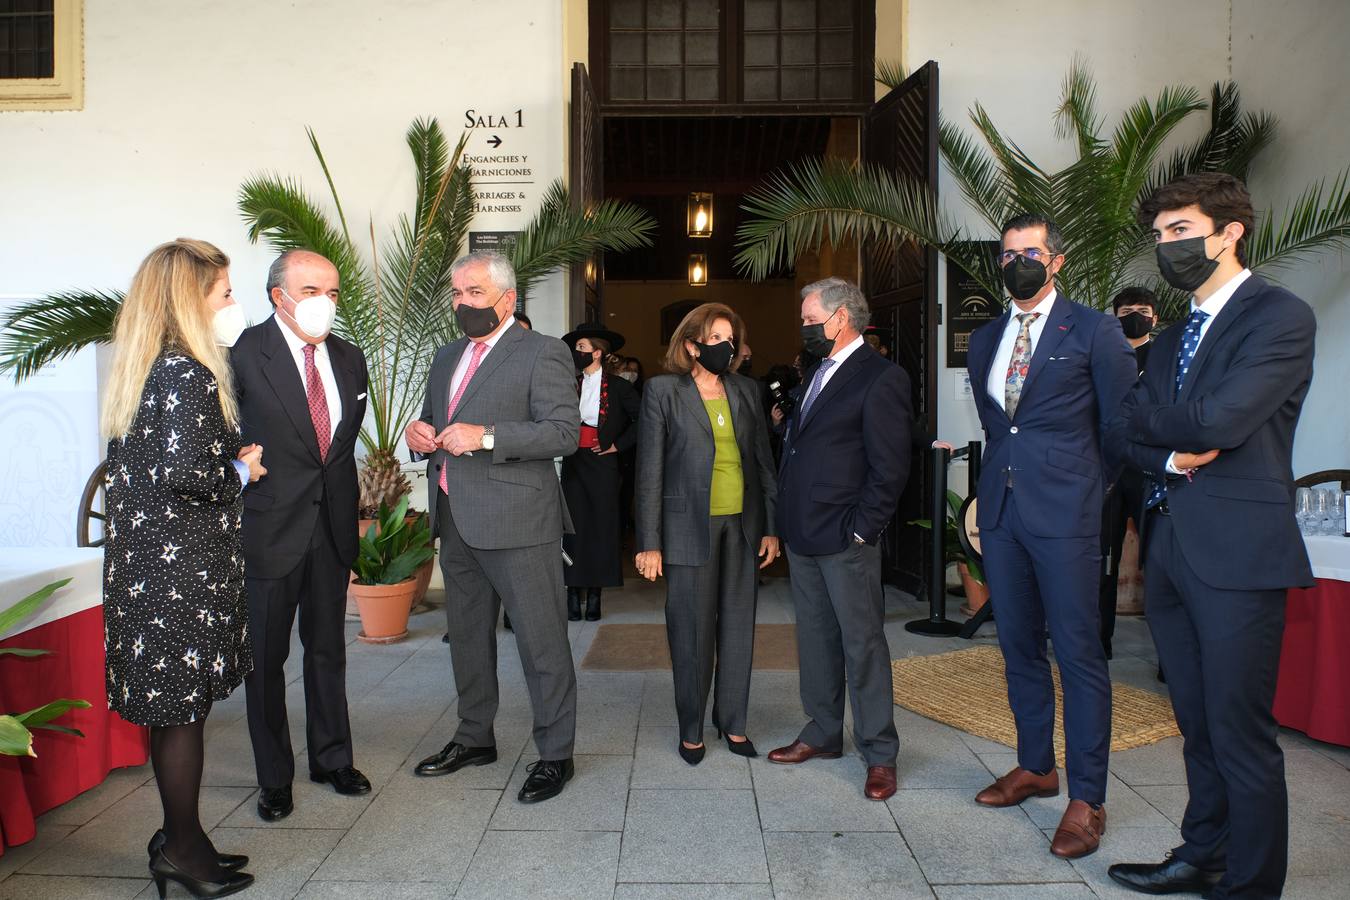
(1018, 785)
(880, 783)
(797, 752)
(1079, 831)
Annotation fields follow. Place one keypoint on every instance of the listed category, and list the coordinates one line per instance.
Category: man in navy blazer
(1046, 377)
(844, 464)
(1211, 424)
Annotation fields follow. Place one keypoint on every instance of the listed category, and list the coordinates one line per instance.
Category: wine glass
(1303, 506)
(1321, 511)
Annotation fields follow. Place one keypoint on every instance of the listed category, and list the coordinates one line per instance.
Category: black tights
(177, 753)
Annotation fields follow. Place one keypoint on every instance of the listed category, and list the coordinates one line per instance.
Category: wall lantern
(698, 269)
(699, 214)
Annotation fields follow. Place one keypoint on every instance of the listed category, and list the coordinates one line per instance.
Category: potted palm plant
(391, 551)
(16, 735)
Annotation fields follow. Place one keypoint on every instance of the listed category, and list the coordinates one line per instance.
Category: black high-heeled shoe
(232, 862)
(692, 755)
(163, 871)
(740, 748)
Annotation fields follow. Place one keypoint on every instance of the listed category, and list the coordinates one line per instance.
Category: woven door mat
(966, 689)
(639, 648)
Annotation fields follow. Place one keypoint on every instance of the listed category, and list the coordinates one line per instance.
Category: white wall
(1013, 58)
(1314, 112)
(186, 100)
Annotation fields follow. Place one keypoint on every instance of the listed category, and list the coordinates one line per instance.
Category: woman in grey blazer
(705, 510)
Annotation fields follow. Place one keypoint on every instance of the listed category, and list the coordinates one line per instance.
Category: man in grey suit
(501, 404)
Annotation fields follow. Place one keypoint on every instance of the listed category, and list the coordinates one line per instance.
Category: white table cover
(24, 570)
(1330, 556)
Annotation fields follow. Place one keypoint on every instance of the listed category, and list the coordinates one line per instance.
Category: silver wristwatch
(489, 437)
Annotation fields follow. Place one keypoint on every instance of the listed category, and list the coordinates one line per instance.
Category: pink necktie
(479, 348)
(318, 404)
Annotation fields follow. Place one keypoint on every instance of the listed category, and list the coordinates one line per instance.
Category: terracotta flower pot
(422, 580)
(423, 577)
(384, 610)
(977, 594)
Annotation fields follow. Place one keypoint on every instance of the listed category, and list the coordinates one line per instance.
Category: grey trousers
(529, 582)
(710, 615)
(840, 638)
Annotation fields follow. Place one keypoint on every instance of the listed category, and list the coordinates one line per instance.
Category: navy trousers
(1040, 585)
(1221, 652)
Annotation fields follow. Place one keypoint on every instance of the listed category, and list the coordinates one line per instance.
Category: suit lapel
(982, 355)
(282, 374)
(847, 370)
(1222, 322)
(688, 393)
(505, 346)
(1057, 326)
(740, 413)
(346, 381)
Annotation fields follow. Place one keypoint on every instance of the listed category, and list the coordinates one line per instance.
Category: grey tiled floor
(637, 823)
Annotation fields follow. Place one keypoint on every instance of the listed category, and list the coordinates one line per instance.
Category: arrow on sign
(494, 141)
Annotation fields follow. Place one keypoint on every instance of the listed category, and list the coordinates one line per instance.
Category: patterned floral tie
(318, 404)
(1190, 340)
(479, 348)
(1018, 365)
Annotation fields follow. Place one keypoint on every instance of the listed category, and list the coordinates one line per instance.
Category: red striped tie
(479, 348)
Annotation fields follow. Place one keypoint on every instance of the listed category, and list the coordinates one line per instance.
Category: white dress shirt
(467, 356)
(590, 398)
(998, 369)
(839, 358)
(324, 365)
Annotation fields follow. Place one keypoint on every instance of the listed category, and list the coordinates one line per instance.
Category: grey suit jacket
(525, 388)
(675, 467)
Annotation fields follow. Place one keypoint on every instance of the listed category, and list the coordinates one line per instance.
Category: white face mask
(630, 377)
(228, 323)
(314, 314)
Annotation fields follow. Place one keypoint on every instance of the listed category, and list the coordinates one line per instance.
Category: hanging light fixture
(698, 270)
(699, 214)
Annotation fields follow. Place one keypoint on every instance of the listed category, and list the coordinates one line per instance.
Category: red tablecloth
(1313, 693)
(65, 765)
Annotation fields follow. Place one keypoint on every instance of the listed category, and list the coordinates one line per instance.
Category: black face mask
(583, 359)
(716, 358)
(1136, 324)
(1024, 277)
(816, 345)
(1184, 264)
(476, 321)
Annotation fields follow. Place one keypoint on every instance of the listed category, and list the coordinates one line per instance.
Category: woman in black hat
(590, 477)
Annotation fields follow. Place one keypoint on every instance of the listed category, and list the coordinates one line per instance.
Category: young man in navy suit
(1211, 425)
(1047, 376)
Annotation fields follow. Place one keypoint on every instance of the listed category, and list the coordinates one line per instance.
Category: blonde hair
(166, 307)
(694, 327)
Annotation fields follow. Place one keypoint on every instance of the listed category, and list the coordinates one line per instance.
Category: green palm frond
(559, 236)
(1233, 140)
(54, 327)
(976, 174)
(1318, 219)
(1076, 117)
(890, 73)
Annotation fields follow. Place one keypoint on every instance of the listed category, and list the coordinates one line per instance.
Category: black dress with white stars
(174, 609)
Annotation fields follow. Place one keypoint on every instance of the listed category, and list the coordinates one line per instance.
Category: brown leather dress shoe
(880, 783)
(1018, 785)
(798, 752)
(1080, 831)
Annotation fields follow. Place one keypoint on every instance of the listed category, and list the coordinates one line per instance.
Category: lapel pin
(1064, 328)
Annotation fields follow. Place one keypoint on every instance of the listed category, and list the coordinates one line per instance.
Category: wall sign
(969, 306)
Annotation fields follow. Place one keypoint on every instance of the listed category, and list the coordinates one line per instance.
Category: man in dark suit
(845, 461)
(1211, 424)
(302, 395)
(501, 404)
(1046, 376)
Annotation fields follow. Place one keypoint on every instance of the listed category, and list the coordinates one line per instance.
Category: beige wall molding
(65, 89)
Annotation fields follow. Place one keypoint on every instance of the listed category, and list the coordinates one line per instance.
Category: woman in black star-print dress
(174, 606)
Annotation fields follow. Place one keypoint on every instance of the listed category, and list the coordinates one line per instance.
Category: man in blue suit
(1211, 424)
(845, 462)
(1047, 376)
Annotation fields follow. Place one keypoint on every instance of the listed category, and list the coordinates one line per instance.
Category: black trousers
(1120, 504)
(1221, 652)
(317, 588)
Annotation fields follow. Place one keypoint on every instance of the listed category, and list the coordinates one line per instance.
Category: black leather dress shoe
(546, 779)
(275, 803)
(1171, 876)
(230, 862)
(346, 780)
(455, 756)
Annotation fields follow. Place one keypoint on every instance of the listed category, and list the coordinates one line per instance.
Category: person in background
(302, 394)
(174, 609)
(1136, 307)
(524, 321)
(633, 374)
(1211, 424)
(846, 458)
(705, 512)
(590, 477)
(744, 362)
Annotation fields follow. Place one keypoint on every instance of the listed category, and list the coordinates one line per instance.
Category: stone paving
(636, 823)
